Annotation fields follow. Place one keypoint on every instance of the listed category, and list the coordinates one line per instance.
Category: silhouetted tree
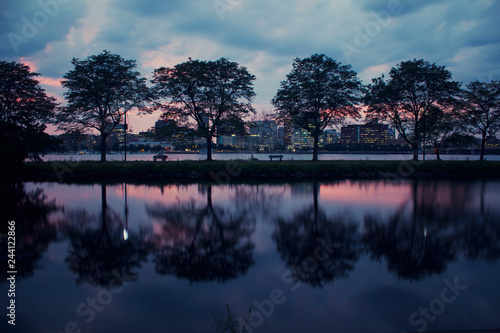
(25, 109)
(319, 92)
(101, 90)
(481, 110)
(205, 96)
(443, 126)
(412, 90)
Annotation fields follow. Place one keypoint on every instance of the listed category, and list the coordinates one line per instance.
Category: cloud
(265, 36)
(27, 26)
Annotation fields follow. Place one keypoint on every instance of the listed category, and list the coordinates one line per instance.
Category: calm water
(263, 157)
(348, 256)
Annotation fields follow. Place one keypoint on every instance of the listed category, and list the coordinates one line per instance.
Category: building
(372, 134)
(234, 140)
(328, 137)
(492, 142)
(265, 133)
(281, 136)
(302, 139)
(116, 138)
(391, 133)
(349, 135)
(287, 134)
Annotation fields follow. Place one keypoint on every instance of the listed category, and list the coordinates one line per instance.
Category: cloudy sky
(262, 35)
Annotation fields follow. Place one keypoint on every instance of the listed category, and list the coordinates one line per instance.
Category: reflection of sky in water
(371, 299)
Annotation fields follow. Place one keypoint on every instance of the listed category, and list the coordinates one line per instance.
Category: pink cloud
(52, 82)
(31, 64)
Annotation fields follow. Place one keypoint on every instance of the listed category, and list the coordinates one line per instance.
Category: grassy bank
(237, 171)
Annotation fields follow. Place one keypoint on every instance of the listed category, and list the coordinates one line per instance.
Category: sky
(265, 36)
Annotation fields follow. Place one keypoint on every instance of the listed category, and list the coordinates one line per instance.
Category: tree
(413, 88)
(101, 90)
(205, 96)
(319, 92)
(25, 109)
(481, 109)
(443, 126)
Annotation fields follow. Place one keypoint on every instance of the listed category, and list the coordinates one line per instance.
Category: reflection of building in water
(302, 188)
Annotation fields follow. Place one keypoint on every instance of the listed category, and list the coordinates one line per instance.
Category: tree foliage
(205, 96)
(443, 126)
(481, 109)
(414, 88)
(101, 90)
(319, 92)
(25, 109)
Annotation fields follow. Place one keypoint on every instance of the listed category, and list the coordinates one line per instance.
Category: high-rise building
(349, 134)
(162, 127)
(287, 134)
(267, 133)
(281, 135)
(328, 137)
(302, 139)
(374, 134)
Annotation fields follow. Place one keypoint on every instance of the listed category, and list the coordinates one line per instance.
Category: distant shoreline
(225, 172)
(336, 152)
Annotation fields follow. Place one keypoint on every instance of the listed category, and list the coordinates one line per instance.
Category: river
(345, 256)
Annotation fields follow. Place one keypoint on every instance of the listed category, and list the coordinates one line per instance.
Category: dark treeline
(209, 99)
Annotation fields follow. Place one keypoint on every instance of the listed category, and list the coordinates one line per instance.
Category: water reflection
(212, 238)
(98, 251)
(201, 241)
(363, 243)
(433, 226)
(34, 230)
(316, 248)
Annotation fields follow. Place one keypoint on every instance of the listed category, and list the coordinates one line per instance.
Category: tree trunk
(415, 150)
(437, 154)
(209, 148)
(423, 148)
(483, 146)
(315, 147)
(104, 136)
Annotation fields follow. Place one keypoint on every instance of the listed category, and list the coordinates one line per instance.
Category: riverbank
(220, 172)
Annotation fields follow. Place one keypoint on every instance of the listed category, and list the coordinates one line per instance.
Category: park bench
(160, 156)
(276, 156)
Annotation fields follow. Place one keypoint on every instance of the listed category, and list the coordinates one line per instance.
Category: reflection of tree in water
(297, 239)
(98, 251)
(422, 239)
(202, 242)
(258, 200)
(481, 237)
(34, 230)
(480, 232)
